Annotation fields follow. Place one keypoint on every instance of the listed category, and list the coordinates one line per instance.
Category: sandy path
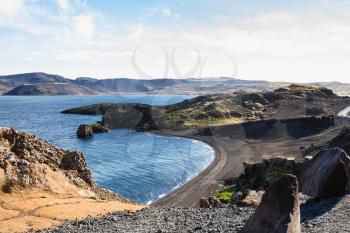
(24, 212)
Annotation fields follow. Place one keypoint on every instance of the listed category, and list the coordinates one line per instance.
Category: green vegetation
(225, 195)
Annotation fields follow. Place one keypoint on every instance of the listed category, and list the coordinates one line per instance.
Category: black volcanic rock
(140, 117)
(326, 175)
(95, 109)
(279, 210)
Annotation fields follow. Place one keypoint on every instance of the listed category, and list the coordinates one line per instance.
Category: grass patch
(225, 195)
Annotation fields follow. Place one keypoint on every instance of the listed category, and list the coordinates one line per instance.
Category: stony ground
(329, 216)
(164, 220)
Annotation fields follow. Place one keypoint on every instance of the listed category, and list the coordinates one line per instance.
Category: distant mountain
(12, 81)
(51, 89)
(18, 85)
(124, 85)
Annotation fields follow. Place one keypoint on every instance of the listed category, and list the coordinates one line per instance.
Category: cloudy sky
(299, 40)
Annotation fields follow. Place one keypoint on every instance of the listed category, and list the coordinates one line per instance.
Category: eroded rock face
(326, 175)
(29, 162)
(279, 209)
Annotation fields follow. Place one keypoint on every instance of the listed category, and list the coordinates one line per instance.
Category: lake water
(139, 166)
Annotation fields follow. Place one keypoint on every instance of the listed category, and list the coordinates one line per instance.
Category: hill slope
(51, 89)
(220, 109)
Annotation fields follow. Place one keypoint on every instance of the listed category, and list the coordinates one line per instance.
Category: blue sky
(253, 39)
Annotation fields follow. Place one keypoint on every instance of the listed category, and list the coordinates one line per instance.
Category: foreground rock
(42, 185)
(327, 174)
(279, 209)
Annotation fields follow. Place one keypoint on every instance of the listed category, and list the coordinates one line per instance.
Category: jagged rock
(28, 162)
(326, 175)
(84, 131)
(279, 209)
(210, 202)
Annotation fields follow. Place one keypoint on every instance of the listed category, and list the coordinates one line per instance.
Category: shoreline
(174, 198)
(229, 157)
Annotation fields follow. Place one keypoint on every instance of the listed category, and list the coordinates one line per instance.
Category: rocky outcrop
(84, 131)
(326, 175)
(94, 109)
(279, 210)
(258, 176)
(29, 163)
(26, 160)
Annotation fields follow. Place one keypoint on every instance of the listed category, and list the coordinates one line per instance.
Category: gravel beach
(163, 220)
(331, 216)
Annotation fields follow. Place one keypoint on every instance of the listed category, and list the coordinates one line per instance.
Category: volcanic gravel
(163, 220)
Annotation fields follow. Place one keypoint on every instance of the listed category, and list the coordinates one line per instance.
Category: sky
(298, 41)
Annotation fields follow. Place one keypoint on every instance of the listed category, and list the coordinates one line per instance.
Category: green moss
(224, 195)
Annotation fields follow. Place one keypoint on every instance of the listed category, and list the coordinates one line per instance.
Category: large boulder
(84, 131)
(279, 210)
(326, 175)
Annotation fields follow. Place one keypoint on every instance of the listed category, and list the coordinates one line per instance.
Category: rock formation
(326, 175)
(27, 162)
(258, 176)
(279, 210)
(41, 185)
(84, 131)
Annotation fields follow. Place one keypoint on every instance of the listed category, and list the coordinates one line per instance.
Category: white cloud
(11, 8)
(166, 12)
(276, 45)
(84, 26)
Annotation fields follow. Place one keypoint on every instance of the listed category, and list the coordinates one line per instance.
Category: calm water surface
(140, 166)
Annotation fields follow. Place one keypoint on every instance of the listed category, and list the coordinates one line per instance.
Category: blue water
(139, 166)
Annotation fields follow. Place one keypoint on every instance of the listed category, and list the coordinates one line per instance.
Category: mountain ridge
(9, 85)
